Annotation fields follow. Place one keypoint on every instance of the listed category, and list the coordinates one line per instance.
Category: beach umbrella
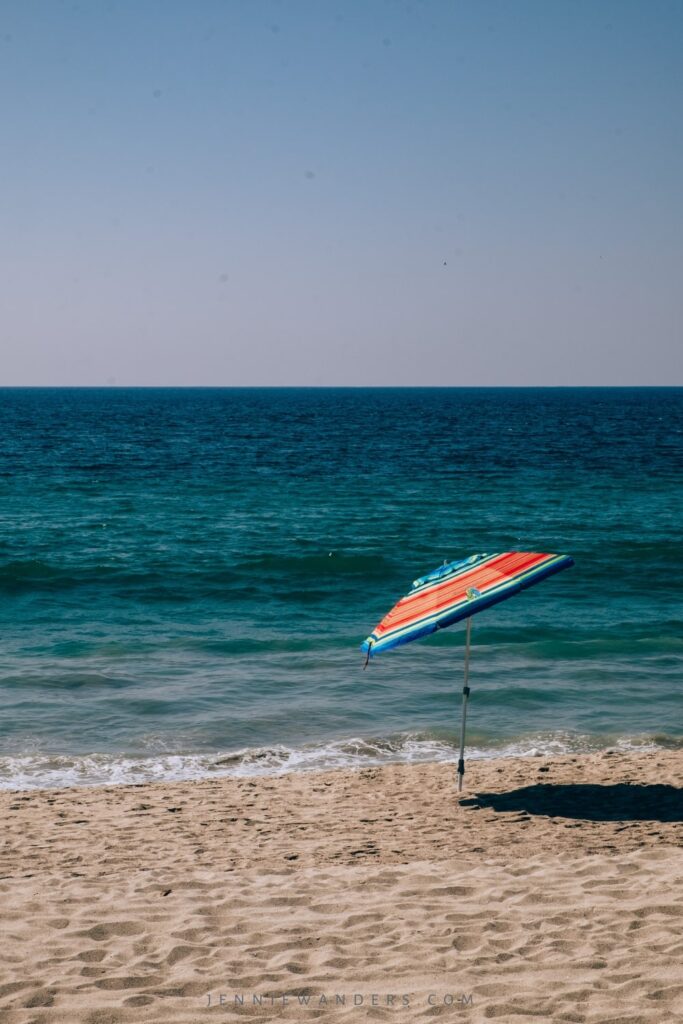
(455, 591)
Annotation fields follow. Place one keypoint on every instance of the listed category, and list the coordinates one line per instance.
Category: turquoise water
(186, 575)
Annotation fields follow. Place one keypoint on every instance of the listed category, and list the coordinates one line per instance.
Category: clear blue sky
(358, 192)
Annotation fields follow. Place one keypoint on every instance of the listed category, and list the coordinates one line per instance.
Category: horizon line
(340, 387)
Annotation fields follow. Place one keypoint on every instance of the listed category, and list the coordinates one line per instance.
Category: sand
(551, 891)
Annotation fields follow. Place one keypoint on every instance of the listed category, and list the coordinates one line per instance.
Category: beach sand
(551, 890)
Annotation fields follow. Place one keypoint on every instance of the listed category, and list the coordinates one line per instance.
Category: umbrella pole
(465, 695)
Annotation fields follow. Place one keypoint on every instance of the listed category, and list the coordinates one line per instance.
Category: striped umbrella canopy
(455, 591)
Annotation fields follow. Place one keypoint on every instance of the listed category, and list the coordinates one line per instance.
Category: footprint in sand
(91, 955)
(101, 932)
(43, 997)
(182, 952)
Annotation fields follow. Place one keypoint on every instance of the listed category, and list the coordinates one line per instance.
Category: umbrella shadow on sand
(619, 802)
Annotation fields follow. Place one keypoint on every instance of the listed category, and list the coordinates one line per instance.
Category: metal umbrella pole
(465, 695)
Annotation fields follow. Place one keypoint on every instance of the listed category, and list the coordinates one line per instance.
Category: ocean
(186, 576)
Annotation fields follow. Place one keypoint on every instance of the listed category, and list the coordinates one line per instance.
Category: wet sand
(551, 889)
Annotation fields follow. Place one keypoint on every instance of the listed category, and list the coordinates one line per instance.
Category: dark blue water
(186, 575)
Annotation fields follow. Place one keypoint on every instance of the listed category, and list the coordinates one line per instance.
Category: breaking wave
(40, 771)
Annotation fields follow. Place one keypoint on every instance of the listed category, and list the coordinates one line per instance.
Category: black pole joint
(466, 691)
(461, 766)
(368, 655)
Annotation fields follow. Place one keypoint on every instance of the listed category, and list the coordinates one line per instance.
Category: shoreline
(550, 887)
(314, 798)
(29, 773)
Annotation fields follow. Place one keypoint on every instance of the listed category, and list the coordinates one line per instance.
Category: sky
(284, 192)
